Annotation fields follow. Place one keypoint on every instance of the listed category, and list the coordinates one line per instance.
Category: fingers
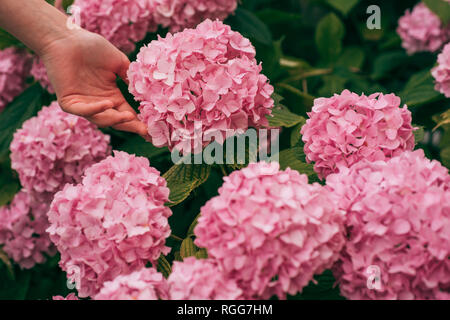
(111, 117)
(134, 126)
(87, 109)
(122, 72)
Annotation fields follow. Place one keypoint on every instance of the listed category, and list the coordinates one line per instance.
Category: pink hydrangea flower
(202, 279)
(441, 72)
(180, 14)
(270, 230)
(199, 80)
(144, 284)
(122, 22)
(398, 220)
(422, 30)
(14, 69)
(347, 128)
(39, 72)
(22, 231)
(70, 296)
(112, 223)
(54, 148)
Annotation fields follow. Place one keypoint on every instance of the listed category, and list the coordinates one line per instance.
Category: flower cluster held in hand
(122, 22)
(398, 219)
(271, 231)
(144, 284)
(422, 30)
(441, 72)
(54, 148)
(347, 128)
(202, 279)
(112, 223)
(14, 69)
(22, 230)
(206, 76)
(180, 14)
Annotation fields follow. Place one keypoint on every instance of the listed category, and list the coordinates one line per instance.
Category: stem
(224, 171)
(291, 89)
(175, 237)
(308, 74)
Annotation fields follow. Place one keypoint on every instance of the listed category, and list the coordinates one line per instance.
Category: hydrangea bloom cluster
(14, 69)
(54, 148)
(122, 22)
(112, 223)
(199, 80)
(441, 72)
(22, 230)
(144, 284)
(270, 230)
(202, 279)
(347, 128)
(39, 72)
(422, 30)
(398, 219)
(180, 14)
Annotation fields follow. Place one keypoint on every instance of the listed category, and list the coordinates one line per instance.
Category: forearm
(34, 22)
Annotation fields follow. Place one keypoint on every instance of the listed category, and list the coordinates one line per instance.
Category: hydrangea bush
(352, 201)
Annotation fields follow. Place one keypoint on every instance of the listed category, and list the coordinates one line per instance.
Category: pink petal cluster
(270, 230)
(70, 296)
(422, 30)
(398, 220)
(54, 148)
(441, 72)
(112, 223)
(14, 69)
(199, 80)
(202, 279)
(144, 284)
(22, 231)
(347, 128)
(180, 14)
(39, 73)
(122, 22)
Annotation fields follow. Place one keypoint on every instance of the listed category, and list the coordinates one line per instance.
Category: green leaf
(20, 109)
(7, 40)
(441, 8)
(351, 57)
(273, 16)
(201, 254)
(419, 90)
(281, 116)
(445, 157)
(344, 6)
(329, 34)
(182, 179)
(386, 62)
(163, 266)
(250, 26)
(332, 84)
(138, 146)
(187, 248)
(289, 159)
(8, 191)
(296, 135)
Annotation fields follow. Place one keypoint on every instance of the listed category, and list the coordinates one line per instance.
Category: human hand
(82, 68)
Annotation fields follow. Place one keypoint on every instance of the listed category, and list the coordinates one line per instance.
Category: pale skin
(82, 66)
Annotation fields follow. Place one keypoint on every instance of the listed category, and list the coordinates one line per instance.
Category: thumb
(123, 69)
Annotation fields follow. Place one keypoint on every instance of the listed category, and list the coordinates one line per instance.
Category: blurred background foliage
(308, 49)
